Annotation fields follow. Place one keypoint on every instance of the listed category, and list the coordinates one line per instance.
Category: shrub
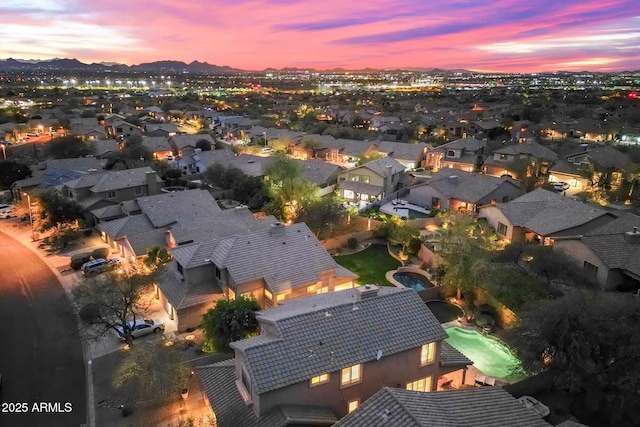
(352, 243)
(78, 259)
(100, 253)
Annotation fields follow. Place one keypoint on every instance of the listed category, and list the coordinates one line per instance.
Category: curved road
(41, 358)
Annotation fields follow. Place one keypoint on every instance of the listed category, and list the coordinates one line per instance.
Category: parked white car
(142, 327)
(7, 213)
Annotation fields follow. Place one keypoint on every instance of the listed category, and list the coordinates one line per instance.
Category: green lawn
(370, 264)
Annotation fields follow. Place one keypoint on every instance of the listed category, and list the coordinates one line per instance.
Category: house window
(505, 199)
(353, 405)
(137, 191)
(179, 268)
(280, 297)
(218, 272)
(423, 385)
(351, 375)
(348, 194)
(365, 179)
(502, 229)
(111, 194)
(323, 290)
(451, 153)
(320, 379)
(435, 203)
(343, 287)
(427, 353)
(311, 289)
(590, 269)
(353, 177)
(268, 295)
(246, 382)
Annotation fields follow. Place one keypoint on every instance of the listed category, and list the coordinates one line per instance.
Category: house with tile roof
(268, 260)
(372, 181)
(471, 407)
(99, 189)
(464, 154)
(544, 216)
(504, 161)
(54, 172)
(412, 156)
(455, 190)
(132, 227)
(185, 145)
(331, 352)
(606, 167)
(610, 254)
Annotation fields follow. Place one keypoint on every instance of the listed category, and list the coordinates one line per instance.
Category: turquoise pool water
(489, 355)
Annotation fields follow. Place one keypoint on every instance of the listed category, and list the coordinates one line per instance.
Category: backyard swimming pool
(412, 280)
(489, 355)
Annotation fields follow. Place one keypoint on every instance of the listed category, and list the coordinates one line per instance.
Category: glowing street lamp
(33, 238)
(4, 151)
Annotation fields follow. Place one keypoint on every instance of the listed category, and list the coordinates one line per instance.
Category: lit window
(351, 375)
(280, 297)
(423, 384)
(353, 405)
(348, 194)
(427, 354)
(311, 289)
(323, 290)
(268, 294)
(320, 379)
(343, 287)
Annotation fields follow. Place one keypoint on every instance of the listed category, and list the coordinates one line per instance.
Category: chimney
(366, 292)
(153, 187)
(632, 237)
(277, 229)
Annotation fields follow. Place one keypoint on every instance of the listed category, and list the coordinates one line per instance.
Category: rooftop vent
(453, 178)
(277, 229)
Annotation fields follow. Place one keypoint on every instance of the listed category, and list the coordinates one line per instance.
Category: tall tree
(323, 215)
(111, 300)
(11, 171)
(230, 320)
(68, 147)
(465, 246)
(584, 341)
(56, 211)
(287, 189)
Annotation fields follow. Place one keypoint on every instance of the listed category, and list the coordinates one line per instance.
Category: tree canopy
(288, 191)
(56, 211)
(68, 147)
(113, 299)
(11, 171)
(585, 341)
(230, 320)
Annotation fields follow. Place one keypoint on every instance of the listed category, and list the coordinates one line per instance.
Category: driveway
(41, 357)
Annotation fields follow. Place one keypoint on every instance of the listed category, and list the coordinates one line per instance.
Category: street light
(4, 151)
(33, 238)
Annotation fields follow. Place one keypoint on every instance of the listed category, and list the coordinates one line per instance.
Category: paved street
(41, 356)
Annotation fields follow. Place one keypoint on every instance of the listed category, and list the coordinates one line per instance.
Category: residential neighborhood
(280, 258)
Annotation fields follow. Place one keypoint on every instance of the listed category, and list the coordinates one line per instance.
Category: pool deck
(390, 207)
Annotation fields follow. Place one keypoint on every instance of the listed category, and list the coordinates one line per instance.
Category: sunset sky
(485, 35)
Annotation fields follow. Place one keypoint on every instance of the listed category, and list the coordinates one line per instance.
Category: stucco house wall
(395, 370)
(579, 253)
